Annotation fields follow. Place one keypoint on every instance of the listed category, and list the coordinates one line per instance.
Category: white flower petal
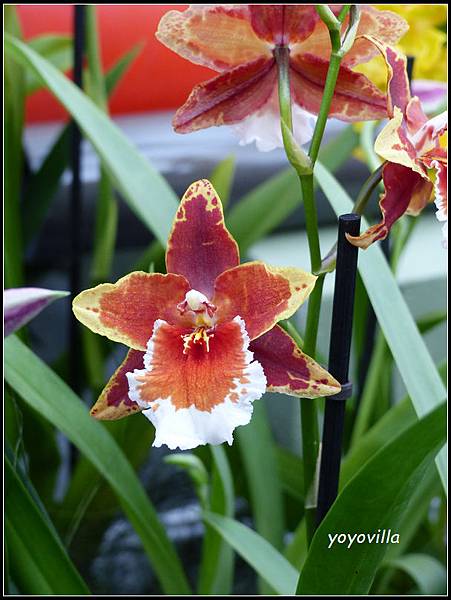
(263, 127)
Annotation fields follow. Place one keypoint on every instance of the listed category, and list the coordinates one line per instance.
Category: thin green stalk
(309, 420)
(329, 261)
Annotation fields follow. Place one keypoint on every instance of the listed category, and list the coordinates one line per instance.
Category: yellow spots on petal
(198, 336)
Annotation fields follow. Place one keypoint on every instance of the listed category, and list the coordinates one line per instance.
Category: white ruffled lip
(263, 127)
(187, 428)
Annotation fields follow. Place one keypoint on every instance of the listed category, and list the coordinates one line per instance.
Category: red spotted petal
(396, 145)
(200, 248)
(219, 37)
(199, 393)
(261, 295)
(126, 311)
(384, 25)
(398, 88)
(405, 192)
(283, 24)
(288, 370)
(355, 97)
(227, 98)
(114, 401)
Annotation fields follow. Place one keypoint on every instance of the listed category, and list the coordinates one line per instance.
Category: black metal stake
(339, 352)
(75, 217)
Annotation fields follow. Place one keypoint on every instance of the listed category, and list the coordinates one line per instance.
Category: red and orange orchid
(416, 161)
(204, 339)
(239, 41)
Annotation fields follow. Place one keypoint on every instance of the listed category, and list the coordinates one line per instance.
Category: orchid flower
(204, 337)
(23, 304)
(238, 41)
(416, 163)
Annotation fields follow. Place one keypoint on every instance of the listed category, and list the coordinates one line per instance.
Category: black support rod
(75, 213)
(339, 352)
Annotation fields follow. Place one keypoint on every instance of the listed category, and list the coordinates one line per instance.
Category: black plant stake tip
(75, 213)
(339, 352)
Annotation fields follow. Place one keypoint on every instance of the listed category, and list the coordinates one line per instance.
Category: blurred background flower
(425, 42)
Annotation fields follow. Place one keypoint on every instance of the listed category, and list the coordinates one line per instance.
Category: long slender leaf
(413, 360)
(42, 186)
(39, 563)
(146, 191)
(216, 568)
(277, 197)
(426, 571)
(372, 501)
(257, 448)
(222, 178)
(51, 397)
(107, 207)
(279, 574)
(14, 86)
(57, 49)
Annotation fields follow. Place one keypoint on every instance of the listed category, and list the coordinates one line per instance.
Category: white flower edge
(187, 428)
(263, 127)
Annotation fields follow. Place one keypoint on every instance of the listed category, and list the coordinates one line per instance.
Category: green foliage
(388, 479)
(39, 387)
(373, 500)
(38, 562)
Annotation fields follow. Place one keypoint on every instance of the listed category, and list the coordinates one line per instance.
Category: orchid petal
(283, 24)
(126, 311)
(219, 37)
(406, 192)
(201, 396)
(441, 196)
(227, 98)
(263, 126)
(288, 370)
(398, 87)
(199, 246)
(114, 402)
(395, 145)
(382, 24)
(260, 295)
(355, 97)
(23, 304)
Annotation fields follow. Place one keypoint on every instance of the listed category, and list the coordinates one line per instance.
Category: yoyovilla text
(382, 536)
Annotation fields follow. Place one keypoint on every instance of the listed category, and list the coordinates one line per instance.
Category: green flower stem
(107, 209)
(309, 419)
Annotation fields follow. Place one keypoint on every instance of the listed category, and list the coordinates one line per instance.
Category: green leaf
(146, 191)
(284, 188)
(39, 563)
(43, 184)
(114, 75)
(279, 574)
(412, 358)
(222, 178)
(57, 49)
(46, 393)
(14, 111)
(291, 473)
(217, 562)
(106, 206)
(195, 469)
(373, 500)
(257, 448)
(394, 422)
(426, 571)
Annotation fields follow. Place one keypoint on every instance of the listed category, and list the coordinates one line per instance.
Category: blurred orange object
(158, 79)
